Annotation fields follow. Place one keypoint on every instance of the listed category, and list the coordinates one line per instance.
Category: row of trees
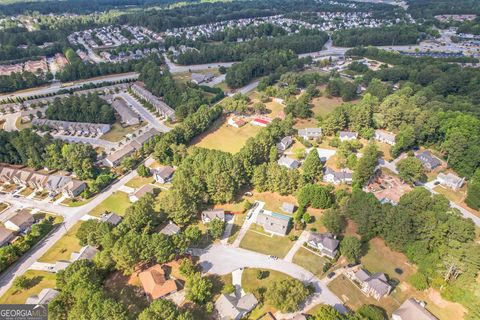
(18, 81)
(382, 36)
(84, 108)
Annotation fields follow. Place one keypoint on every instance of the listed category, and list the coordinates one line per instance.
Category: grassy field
(224, 137)
(250, 283)
(39, 280)
(256, 240)
(64, 247)
(138, 182)
(3, 206)
(324, 105)
(118, 203)
(273, 201)
(310, 261)
(118, 132)
(384, 148)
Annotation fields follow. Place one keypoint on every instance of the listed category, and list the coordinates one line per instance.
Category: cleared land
(118, 132)
(118, 203)
(64, 247)
(38, 280)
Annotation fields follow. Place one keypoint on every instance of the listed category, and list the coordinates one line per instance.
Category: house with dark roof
(170, 229)
(326, 243)
(428, 160)
(111, 218)
(412, 309)
(164, 174)
(288, 162)
(372, 285)
(209, 215)
(273, 222)
(156, 284)
(284, 144)
(231, 307)
(21, 221)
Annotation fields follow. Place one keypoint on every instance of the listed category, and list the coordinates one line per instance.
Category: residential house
(261, 122)
(209, 215)
(37, 181)
(73, 188)
(284, 144)
(155, 283)
(385, 136)
(127, 115)
(86, 253)
(411, 309)
(115, 158)
(5, 236)
(273, 222)
(22, 221)
(428, 160)
(170, 229)
(347, 136)
(231, 307)
(450, 180)
(22, 177)
(326, 243)
(161, 107)
(199, 78)
(111, 218)
(310, 133)
(288, 207)
(44, 297)
(148, 188)
(337, 177)
(373, 285)
(164, 174)
(236, 122)
(7, 174)
(288, 162)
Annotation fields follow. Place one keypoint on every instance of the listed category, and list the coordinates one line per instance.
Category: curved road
(220, 259)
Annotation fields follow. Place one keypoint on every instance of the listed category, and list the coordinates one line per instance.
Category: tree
(473, 192)
(411, 170)
(404, 140)
(21, 282)
(333, 220)
(351, 248)
(162, 309)
(419, 281)
(143, 171)
(365, 168)
(215, 228)
(315, 195)
(312, 167)
(287, 295)
(92, 231)
(199, 289)
(327, 312)
(371, 312)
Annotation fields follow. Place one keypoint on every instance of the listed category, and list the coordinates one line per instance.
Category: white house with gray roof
(310, 133)
(326, 243)
(347, 136)
(385, 136)
(428, 160)
(284, 144)
(450, 180)
(273, 222)
(337, 177)
(44, 297)
(209, 215)
(372, 285)
(288, 162)
(412, 309)
(230, 307)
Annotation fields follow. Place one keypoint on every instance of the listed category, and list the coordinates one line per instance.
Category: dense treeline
(24, 80)
(302, 42)
(28, 148)
(427, 9)
(472, 27)
(84, 108)
(249, 32)
(383, 36)
(262, 64)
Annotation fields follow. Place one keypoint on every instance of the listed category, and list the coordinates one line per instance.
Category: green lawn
(39, 280)
(310, 261)
(118, 132)
(237, 224)
(26, 192)
(263, 243)
(118, 203)
(138, 182)
(64, 247)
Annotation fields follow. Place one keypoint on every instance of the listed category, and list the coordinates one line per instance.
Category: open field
(224, 137)
(118, 132)
(64, 247)
(310, 261)
(324, 105)
(39, 280)
(257, 240)
(273, 201)
(118, 203)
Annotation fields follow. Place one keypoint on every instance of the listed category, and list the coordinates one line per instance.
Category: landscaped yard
(138, 182)
(224, 137)
(310, 261)
(257, 240)
(26, 192)
(64, 247)
(118, 203)
(118, 132)
(39, 280)
(3, 206)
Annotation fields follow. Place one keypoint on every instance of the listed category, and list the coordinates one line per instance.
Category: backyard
(64, 247)
(118, 203)
(38, 280)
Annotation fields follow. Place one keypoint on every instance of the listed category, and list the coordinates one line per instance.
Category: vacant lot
(118, 132)
(324, 105)
(118, 203)
(224, 137)
(257, 240)
(310, 261)
(64, 247)
(38, 280)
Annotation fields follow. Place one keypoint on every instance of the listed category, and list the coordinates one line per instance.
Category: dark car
(330, 275)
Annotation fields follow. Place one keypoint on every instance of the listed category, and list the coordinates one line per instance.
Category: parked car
(330, 275)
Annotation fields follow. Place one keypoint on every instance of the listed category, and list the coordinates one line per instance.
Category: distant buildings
(450, 180)
(73, 128)
(310, 133)
(115, 158)
(385, 136)
(199, 78)
(127, 115)
(273, 222)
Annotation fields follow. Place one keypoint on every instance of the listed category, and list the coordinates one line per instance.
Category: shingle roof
(412, 310)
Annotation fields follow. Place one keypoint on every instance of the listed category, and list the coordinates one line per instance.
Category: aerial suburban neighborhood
(243, 159)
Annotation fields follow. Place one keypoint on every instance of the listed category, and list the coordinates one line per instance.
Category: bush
(419, 281)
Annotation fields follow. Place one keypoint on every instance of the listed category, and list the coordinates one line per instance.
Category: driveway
(219, 259)
(248, 222)
(297, 245)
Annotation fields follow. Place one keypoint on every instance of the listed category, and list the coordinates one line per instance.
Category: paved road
(10, 121)
(144, 113)
(248, 222)
(219, 259)
(96, 142)
(175, 68)
(71, 216)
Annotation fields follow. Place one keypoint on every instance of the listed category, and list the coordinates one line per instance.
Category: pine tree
(312, 167)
